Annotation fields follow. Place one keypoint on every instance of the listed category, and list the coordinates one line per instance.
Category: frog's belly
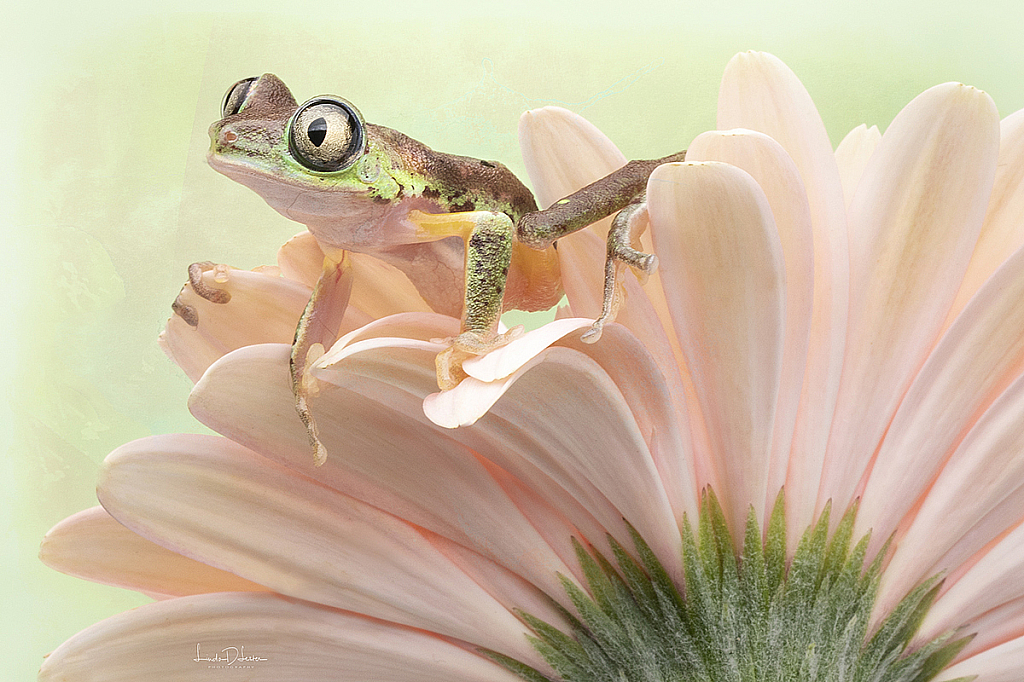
(437, 270)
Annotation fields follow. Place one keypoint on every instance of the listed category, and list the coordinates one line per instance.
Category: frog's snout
(221, 136)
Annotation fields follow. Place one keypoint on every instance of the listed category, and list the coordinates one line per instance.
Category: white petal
(722, 266)
(294, 642)
(93, 546)
(913, 225)
(466, 403)
(213, 500)
(502, 362)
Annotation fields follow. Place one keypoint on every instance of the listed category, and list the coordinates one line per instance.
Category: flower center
(752, 616)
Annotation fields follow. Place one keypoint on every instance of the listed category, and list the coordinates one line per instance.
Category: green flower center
(751, 617)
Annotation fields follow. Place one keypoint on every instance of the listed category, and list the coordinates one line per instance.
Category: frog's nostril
(229, 136)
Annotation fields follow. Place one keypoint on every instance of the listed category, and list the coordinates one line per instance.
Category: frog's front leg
(623, 190)
(627, 226)
(489, 237)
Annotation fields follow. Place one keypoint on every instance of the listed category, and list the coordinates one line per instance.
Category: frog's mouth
(299, 201)
(277, 191)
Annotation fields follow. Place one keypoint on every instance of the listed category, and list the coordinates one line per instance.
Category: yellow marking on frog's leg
(627, 226)
(489, 237)
(317, 331)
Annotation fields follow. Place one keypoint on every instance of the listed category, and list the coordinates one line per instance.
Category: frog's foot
(467, 345)
(211, 294)
(195, 279)
(626, 226)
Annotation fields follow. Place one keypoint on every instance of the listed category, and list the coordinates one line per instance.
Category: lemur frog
(465, 231)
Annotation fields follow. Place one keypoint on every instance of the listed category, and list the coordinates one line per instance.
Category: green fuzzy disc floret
(751, 617)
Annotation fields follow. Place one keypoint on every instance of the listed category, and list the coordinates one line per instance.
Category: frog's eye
(236, 96)
(326, 134)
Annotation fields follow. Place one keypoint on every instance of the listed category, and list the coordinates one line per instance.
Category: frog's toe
(479, 343)
(593, 335)
(467, 345)
(185, 312)
(448, 364)
(202, 289)
(648, 264)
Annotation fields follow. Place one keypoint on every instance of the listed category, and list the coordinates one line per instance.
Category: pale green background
(106, 198)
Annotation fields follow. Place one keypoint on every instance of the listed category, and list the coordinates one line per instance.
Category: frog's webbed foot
(202, 289)
(626, 229)
(466, 345)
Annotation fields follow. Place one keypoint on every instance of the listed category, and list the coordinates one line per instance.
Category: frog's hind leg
(627, 226)
(489, 237)
(317, 331)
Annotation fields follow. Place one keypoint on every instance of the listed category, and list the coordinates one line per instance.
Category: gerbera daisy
(797, 455)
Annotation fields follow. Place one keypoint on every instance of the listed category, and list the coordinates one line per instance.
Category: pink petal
(1003, 230)
(992, 581)
(563, 152)
(381, 449)
(999, 625)
(224, 505)
(566, 417)
(378, 289)
(581, 438)
(722, 266)
(852, 156)
(998, 664)
(913, 225)
(301, 259)
(263, 309)
(658, 407)
(767, 162)
(93, 546)
(984, 472)
(761, 93)
(972, 364)
(296, 642)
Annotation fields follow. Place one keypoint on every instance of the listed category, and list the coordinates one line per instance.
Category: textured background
(105, 196)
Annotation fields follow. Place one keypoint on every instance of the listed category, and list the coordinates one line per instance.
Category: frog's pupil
(317, 131)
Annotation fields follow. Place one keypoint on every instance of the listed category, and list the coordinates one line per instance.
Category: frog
(466, 232)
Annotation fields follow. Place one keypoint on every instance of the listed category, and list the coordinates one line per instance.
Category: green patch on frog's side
(740, 618)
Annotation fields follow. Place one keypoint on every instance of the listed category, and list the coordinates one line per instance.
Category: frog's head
(305, 160)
